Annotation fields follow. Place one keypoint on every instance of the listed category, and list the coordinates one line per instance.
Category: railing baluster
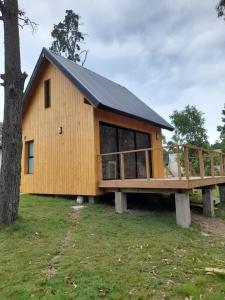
(212, 164)
(122, 171)
(178, 162)
(100, 168)
(186, 161)
(221, 164)
(201, 163)
(147, 164)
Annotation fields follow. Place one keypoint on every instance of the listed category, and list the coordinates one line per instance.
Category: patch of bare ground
(210, 225)
(52, 269)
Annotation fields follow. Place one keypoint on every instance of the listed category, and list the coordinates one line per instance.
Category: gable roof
(100, 91)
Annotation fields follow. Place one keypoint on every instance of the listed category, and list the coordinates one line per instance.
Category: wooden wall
(63, 163)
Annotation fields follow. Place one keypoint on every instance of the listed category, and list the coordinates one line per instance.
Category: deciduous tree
(68, 38)
(189, 127)
(221, 8)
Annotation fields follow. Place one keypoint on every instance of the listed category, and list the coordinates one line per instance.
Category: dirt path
(51, 270)
(210, 225)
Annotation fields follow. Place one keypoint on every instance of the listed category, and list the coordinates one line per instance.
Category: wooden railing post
(147, 165)
(212, 164)
(178, 162)
(201, 163)
(122, 171)
(221, 164)
(186, 161)
(100, 168)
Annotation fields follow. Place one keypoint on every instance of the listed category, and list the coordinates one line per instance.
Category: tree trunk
(13, 81)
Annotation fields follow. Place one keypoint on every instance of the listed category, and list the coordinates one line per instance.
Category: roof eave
(104, 107)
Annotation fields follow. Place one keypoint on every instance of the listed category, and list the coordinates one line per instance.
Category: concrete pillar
(183, 212)
(208, 203)
(222, 193)
(80, 199)
(92, 199)
(120, 202)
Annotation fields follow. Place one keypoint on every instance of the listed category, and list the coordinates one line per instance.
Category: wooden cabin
(71, 115)
(86, 135)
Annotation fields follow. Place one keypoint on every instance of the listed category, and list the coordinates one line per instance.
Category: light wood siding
(63, 163)
(119, 120)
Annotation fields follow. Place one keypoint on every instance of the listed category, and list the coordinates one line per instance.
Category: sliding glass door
(116, 139)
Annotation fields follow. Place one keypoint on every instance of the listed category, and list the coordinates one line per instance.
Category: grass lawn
(97, 254)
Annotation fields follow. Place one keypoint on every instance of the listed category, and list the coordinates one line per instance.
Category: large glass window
(108, 144)
(142, 142)
(116, 139)
(126, 143)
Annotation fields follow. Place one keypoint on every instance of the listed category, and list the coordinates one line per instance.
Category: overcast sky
(170, 53)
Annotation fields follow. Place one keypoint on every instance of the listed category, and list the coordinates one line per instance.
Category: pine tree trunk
(13, 81)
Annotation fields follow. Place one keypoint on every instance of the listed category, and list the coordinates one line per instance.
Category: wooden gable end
(63, 135)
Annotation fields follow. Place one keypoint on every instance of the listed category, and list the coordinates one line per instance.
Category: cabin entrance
(117, 139)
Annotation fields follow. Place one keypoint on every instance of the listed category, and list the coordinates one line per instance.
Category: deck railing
(175, 161)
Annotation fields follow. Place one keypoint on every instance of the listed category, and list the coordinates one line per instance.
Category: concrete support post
(120, 202)
(183, 212)
(80, 199)
(92, 199)
(222, 193)
(208, 203)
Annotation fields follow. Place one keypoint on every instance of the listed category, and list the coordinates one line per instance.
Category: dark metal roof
(100, 91)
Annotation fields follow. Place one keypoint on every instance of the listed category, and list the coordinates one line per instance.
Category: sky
(170, 53)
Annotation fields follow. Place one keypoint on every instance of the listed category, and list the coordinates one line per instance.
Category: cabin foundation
(222, 193)
(183, 212)
(120, 202)
(208, 203)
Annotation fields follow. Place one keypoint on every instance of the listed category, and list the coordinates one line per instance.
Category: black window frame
(29, 157)
(47, 93)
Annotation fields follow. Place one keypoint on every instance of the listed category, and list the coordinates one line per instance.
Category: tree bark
(13, 82)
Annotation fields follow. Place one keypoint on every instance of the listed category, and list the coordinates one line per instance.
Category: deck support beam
(208, 203)
(222, 193)
(120, 202)
(183, 212)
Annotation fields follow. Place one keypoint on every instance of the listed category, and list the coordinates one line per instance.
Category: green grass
(106, 256)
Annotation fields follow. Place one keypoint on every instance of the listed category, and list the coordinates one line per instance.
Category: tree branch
(26, 21)
(85, 56)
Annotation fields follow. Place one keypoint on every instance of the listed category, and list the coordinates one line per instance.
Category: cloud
(170, 53)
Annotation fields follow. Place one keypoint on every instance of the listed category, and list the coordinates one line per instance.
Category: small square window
(47, 90)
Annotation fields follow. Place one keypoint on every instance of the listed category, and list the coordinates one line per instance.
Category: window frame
(47, 93)
(29, 157)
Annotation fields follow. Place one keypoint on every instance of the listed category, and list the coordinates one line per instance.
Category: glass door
(116, 139)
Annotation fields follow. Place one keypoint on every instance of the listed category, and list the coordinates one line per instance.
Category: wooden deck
(194, 168)
(162, 183)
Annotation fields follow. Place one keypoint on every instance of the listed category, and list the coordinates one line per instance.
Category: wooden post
(221, 164)
(201, 163)
(186, 161)
(122, 171)
(147, 164)
(212, 164)
(178, 162)
(100, 168)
